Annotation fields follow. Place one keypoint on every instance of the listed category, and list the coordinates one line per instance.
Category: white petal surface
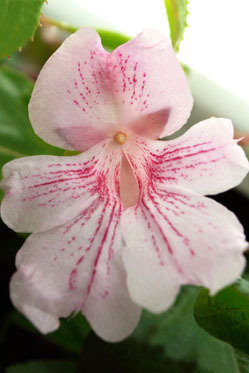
(77, 267)
(174, 238)
(45, 191)
(206, 159)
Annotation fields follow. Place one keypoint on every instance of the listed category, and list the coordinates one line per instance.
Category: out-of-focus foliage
(70, 335)
(42, 366)
(17, 136)
(18, 21)
(177, 12)
(226, 315)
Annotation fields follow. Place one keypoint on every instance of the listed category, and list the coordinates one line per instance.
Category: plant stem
(110, 39)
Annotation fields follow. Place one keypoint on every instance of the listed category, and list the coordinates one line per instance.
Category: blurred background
(215, 57)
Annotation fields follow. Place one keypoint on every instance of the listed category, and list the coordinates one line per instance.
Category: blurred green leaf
(177, 12)
(17, 136)
(226, 315)
(243, 361)
(70, 335)
(111, 39)
(18, 21)
(43, 366)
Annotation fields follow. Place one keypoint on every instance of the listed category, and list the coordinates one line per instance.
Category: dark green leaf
(177, 12)
(18, 21)
(43, 366)
(226, 315)
(129, 356)
(70, 335)
(244, 186)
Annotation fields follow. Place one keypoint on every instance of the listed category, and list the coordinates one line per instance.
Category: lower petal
(174, 238)
(77, 267)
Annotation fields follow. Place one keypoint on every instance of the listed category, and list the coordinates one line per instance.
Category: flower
(124, 224)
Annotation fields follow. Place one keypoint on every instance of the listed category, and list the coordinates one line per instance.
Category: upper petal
(45, 191)
(174, 238)
(70, 106)
(206, 159)
(77, 267)
(84, 94)
(151, 85)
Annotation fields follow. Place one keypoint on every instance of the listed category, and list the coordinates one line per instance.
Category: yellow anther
(120, 138)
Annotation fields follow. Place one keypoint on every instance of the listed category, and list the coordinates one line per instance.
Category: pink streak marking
(80, 260)
(159, 227)
(99, 251)
(72, 279)
(189, 155)
(61, 180)
(113, 236)
(152, 237)
(185, 239)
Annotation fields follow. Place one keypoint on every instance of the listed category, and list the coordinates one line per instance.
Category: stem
(110, 39)
(60, 24)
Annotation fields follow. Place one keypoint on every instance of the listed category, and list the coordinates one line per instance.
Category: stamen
(120, 138)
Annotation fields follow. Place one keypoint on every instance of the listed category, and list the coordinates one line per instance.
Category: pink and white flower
(125, 223)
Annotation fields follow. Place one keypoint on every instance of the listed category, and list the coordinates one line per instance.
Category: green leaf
(226, 315)
(17, 136)
(43, 366)
(177, 12)
(182, 339)
(18, 21)
(70, 335)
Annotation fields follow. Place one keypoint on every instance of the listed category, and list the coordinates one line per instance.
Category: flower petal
(84, 94)
(151, 85)
(46, 191)
(70, 106)
(77, 267)
(175, 238)
(205, 159)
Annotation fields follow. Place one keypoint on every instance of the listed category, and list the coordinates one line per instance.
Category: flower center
(120, 138)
